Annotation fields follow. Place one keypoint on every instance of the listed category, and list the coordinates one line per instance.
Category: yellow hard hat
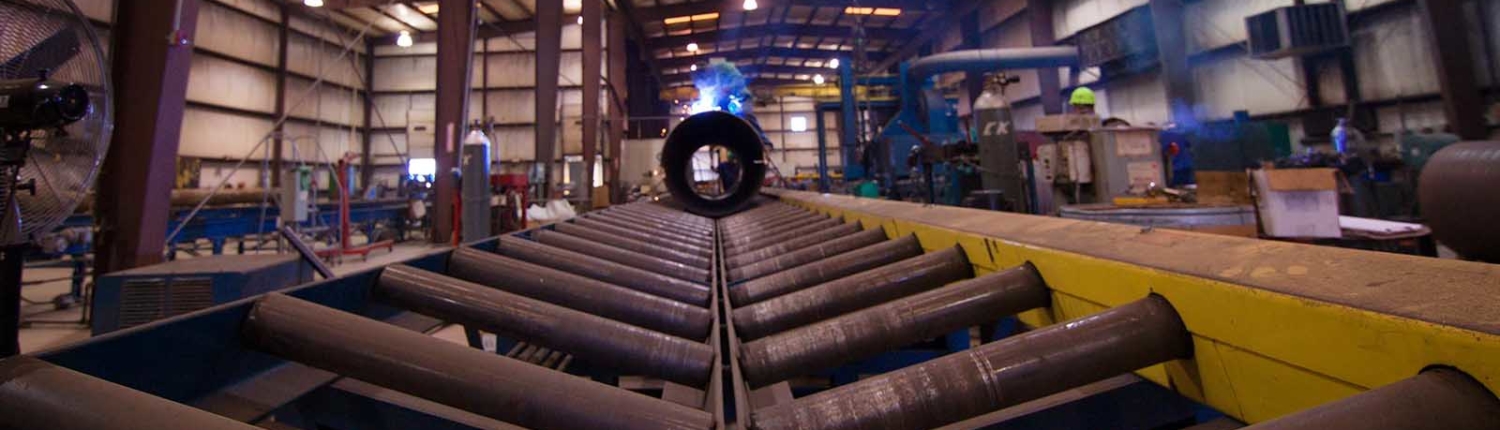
(1082, 96)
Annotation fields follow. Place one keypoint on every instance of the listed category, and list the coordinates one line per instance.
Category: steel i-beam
(599, 340)
(892, 325)
(470, 379)
(995, 375)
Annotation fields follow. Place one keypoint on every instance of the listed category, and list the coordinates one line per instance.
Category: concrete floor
(45, 327)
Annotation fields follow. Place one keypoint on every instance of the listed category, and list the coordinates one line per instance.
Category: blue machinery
(220, 224)
(726, 316)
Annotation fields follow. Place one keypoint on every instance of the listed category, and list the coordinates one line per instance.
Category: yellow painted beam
(1277, 327)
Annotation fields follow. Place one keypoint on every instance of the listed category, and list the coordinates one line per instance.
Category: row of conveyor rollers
(630, 289)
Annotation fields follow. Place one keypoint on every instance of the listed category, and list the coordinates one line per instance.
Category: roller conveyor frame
(218, 370)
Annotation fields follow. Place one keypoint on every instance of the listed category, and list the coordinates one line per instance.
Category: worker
(1082, 101)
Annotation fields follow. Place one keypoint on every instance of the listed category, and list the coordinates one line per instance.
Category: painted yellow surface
(1257, 354)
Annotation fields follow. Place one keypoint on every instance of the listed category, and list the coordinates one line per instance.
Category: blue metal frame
(218, 225)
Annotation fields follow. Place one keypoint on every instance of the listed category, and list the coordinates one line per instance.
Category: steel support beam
(618, 78)
(593, 65)
(1176, 73)
(35, 394)
(135, 184)
(1039, 20)
(279, 140)
(548, 62)
(455, 54)
(1462, 103)
(452, 374)
(995, 375)
(973, 81)
(367, 152)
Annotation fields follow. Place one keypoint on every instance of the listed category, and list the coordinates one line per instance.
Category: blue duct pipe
(985, 60)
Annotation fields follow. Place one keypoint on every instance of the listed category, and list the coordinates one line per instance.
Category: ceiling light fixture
(881, 11)
(404, 40)
(692, 47)
(580, 19)
(312, 3)
(818, 79)
(572, 5)
(751, 5)
(694, 68)
(833, 64)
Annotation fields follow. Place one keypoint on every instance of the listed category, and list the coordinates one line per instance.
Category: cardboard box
(1298, 202)
(1067, 123)
(1224, 188)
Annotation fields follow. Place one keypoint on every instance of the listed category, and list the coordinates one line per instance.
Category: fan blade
(50, 54)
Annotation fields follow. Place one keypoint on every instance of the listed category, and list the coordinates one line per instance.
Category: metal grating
(144, 301)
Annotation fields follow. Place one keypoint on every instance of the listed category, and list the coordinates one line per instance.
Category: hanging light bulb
(692, 47)
(818, 79)
(751, 5)
(404, 40)
(312, 3)
(580, 19)
(833, 64)
(694, 68)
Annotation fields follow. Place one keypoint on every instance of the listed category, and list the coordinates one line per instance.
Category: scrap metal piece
(995, 375)
(599, 340)
(615, 273)
(886, 327)
(825, 270)
(850, 293)
(473, 380)
(1436, 399)
(35, 394)
(807, 255)
(622, 256)
(581, 293)
(694, 260)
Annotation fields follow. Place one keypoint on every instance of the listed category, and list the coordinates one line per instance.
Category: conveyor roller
(825, 270)
(35, 394)
(594, 235)
(623, 256)
(615, 273)
(807, 255)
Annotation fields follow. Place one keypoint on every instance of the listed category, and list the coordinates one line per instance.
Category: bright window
(799, 123)
(421, 166)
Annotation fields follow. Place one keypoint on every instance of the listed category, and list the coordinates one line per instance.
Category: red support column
(618, 82)
(455, 54)
(133, 199)
(548, 59)
(592, 64)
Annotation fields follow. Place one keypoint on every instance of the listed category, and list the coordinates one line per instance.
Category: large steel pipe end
(996, 375)
(35, 394)
(455, 375)
(851, 293)
(714, 128)
(596, 339)
(1458, 192)
(892, 325)
(1437, 399)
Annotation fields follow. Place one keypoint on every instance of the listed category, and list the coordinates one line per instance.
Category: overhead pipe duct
(608, 271)
(599, 340)
(623, 256)
(581, 293)
(850, 293)
(886, 327)
(995, 375)
(455, 375)
(35, 394)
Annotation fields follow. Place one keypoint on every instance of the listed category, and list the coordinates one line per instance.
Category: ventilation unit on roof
(1296, 31)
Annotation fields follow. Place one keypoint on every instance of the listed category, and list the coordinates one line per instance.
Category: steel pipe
(825, 270)
(652, 230)
(683, 246)
(692, 230)
(790, 220)
(794, 244)
(665, 217)
(452, 374)
(755, 213)
(623, 256)
(615, 273)
(693, 260)
(1457, 192)
(581, 293)
(666, 214)
(1436, 399)
(886, 327)
(996, 375)
(35, 394)
(607, 342)
(850, 293)
(764, 221)
(780, 235)
(808, 255)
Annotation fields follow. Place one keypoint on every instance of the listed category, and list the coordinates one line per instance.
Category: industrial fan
(54, 129)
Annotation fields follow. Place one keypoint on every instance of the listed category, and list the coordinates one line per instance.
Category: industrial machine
(54, 129)
(129, 298)
(1094, 164)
